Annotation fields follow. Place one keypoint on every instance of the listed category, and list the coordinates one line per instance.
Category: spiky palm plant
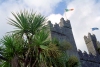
(28, 24)
(12, 48)
(29, 45)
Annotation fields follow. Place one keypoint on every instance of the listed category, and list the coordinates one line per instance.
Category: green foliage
(12, 45)
(5, 64)
(29, 45)
(64, 45)
(27, 22)
(73, 61)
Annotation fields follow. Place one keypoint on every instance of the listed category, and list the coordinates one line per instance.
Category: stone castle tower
(93, 58)
(63, 32)
(92, 44)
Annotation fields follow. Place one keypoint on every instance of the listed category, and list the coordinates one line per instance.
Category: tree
(29, 45)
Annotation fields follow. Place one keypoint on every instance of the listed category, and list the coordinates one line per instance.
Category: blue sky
(60, 8)
(86, 14)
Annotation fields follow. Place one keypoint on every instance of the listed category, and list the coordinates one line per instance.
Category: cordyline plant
(29, 45)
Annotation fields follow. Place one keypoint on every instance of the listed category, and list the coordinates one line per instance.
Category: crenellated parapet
(60, 28)
(93, 58)
(91, 43)
(62, 31)
(89, 60)
(64, 23)
(90, 37)
(84, 56)
(50, 24)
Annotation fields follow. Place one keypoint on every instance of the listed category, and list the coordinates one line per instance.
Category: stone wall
(91, 43)
(63, 32)
(89, 60)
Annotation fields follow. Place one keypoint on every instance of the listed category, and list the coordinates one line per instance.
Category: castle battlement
(91, 43)
(93, 58)
(89, 60)
(63, 32)
(61, 27)
(88, 57)
(90, 37)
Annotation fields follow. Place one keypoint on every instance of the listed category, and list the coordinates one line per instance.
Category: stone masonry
(63, 32)
(93, 58)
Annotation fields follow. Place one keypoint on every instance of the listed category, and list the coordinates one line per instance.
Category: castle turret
(91, 43)
(63, 32)
(64, 23)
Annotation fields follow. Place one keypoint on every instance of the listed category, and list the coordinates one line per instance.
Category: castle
(63, 31)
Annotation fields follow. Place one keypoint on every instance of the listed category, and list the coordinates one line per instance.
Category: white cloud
(55, 18)
(6, 7)
(86, 15)
(43, 6)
